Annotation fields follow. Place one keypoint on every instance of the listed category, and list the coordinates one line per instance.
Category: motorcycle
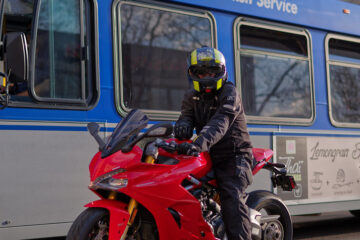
(148, 191)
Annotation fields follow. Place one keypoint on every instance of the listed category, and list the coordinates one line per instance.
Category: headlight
(107, 181)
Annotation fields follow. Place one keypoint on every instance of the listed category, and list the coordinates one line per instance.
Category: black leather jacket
(219, 121)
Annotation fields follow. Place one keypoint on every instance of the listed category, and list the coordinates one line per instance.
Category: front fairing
(111, 156)
(100, 166)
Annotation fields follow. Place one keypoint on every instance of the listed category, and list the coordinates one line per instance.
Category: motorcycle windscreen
(126, 130)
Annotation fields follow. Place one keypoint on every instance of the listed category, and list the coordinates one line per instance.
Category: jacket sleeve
(229, 108)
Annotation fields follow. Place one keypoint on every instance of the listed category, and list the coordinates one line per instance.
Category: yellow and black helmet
(207, 69)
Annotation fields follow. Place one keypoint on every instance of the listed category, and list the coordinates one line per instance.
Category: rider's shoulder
(228, 89)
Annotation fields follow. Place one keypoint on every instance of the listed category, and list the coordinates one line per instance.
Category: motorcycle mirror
(93, 129)
(160, 130)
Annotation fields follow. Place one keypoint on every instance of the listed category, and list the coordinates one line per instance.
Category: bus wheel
(93, 223)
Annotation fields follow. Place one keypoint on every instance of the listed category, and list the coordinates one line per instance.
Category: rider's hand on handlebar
(183, 130)
(188, 149)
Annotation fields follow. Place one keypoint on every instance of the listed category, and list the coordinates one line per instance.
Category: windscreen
(129, 127)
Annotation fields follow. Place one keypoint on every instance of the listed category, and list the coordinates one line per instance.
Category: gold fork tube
(133, 204)
(132, 209)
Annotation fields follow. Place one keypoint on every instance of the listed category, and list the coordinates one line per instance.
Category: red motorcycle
(147, 191)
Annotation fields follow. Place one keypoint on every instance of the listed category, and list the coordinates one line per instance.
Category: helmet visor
(201, 71)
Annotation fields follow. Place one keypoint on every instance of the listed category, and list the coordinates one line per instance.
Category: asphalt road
(327, 226)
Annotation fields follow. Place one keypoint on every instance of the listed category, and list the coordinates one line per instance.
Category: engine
(211, 211)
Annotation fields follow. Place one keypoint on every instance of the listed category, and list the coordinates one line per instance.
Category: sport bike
(148, 191)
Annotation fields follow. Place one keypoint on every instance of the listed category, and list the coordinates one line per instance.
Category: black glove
(188, 149)
(183, 130)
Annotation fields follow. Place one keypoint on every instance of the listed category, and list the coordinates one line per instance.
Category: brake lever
(168, 147)
(171, 147)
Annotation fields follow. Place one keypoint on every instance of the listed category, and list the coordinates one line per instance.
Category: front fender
(119, 216)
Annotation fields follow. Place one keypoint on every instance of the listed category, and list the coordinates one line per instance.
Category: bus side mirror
(16, 57)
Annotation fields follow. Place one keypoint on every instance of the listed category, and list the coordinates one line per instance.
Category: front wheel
(267, 204)
(91, 224)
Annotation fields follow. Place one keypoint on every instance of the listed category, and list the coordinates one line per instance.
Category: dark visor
(205, 70)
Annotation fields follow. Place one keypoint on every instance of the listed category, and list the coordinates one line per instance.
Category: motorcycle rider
(215, 110)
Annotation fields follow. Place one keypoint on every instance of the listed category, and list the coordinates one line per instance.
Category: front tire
(93, 223)
(269, 204)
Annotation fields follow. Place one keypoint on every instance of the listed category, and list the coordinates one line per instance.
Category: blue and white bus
(70, 62)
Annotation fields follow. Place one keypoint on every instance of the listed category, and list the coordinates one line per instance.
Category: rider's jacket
(219, 121)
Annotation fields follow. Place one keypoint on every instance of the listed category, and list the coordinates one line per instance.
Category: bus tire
(270, 204)
(91, 223)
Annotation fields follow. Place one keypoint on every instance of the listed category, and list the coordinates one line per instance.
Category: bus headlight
(107, 181)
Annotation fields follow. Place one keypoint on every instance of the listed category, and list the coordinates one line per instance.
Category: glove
(188, 149)
(183, 130)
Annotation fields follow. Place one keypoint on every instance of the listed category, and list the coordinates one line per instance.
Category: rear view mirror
(94, 129)
(16, 57)
(160, 130)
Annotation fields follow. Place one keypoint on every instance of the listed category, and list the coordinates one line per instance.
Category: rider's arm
(230, 107)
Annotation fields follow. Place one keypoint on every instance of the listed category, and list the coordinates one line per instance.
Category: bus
(70, 62)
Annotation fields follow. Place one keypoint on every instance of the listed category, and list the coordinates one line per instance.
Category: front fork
(133, 204)
(132, 209)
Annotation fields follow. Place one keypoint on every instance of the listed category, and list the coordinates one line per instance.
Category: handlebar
(168, 147)
(171, 147)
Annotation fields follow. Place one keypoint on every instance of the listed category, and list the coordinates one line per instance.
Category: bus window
(274, 73)
(343, 66)
(60, 52)
(154, 43)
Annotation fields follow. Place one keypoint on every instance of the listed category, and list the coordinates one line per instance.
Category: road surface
(327, 226)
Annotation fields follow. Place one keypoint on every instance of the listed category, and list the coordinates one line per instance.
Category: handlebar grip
(172, 147)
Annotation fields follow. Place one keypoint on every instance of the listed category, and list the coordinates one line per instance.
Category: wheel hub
(102, 232)
(274, 231)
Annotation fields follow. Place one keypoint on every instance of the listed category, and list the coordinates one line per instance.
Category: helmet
(206, 69)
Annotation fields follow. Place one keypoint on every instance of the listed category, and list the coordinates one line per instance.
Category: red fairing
(261, 156)
(99, 166)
